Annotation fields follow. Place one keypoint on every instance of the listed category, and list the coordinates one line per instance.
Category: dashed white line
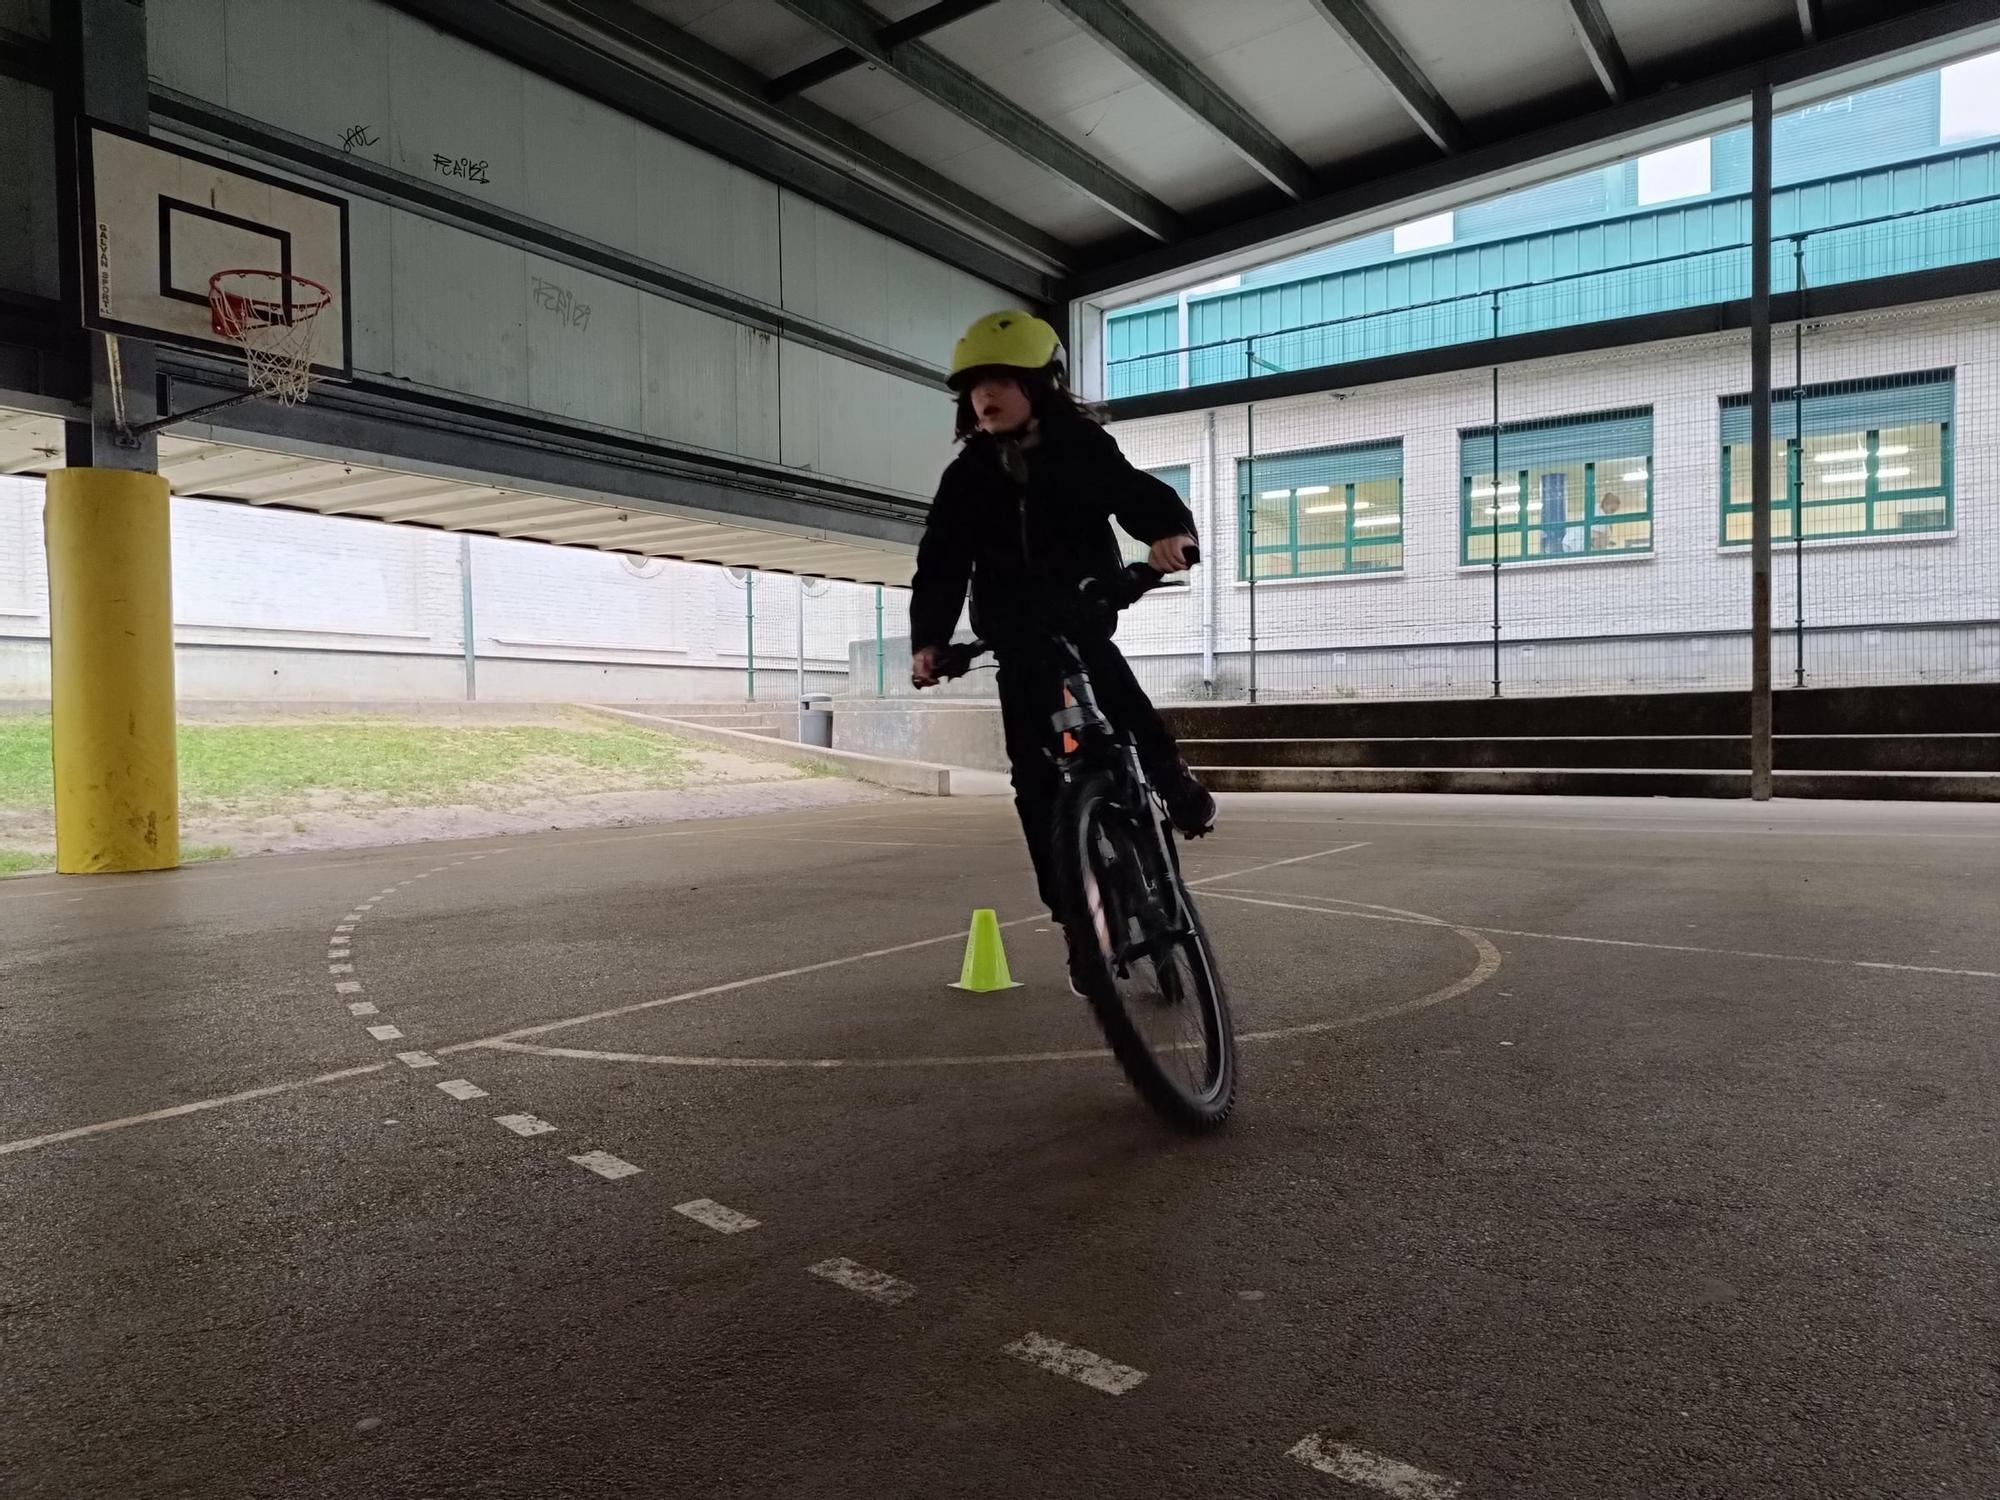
(1375, 1471)
(858, 1278)
(462, 1088)
(604, 1164)
(715, 1216)
(385, 1033)
(360, 1008)
(340, 968)
(1058, 1358)
(348, 987)
(416, 1059)
(340, 953)
(524, 1124)
(345, 927)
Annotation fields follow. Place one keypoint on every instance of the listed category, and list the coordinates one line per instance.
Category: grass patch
(247, 769)
(202, 853)
(21, 861)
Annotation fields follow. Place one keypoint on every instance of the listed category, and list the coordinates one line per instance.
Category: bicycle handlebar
(1109, 594)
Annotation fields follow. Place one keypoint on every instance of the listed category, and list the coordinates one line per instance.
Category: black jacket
(1024, 549)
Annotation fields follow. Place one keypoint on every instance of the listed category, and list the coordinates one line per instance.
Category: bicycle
(1118, 869)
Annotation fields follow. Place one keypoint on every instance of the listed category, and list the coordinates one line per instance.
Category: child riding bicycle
(1023, 515)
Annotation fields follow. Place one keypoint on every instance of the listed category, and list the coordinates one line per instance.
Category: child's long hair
(1049, 398)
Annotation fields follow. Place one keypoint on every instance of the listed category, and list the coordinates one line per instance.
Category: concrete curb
(917, 776)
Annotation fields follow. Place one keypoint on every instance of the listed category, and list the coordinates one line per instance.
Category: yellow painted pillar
(111, 644)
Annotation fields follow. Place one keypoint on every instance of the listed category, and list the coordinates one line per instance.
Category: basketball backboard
(159, 220)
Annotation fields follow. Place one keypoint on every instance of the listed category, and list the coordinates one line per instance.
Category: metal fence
(1582, 524)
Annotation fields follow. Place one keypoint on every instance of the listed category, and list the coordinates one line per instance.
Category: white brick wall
(1438, 614)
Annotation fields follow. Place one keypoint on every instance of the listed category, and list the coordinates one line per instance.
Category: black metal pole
(1799, 463)
(1760, 444)
(1494, 507)
(1250, 512)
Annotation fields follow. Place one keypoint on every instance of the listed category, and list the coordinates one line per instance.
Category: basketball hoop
(270, 316)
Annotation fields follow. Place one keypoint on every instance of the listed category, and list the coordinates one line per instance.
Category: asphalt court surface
(1585, 1148)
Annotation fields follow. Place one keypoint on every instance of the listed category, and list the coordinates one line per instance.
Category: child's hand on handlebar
(1170, 554)
(924, 666)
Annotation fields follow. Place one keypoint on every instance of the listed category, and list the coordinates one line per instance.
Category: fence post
(1495, 506)
(465, 617)
(750, 632)
(1760, 443)
(881, 669)
(1798, 462)
(1250, 511)
(799, 660)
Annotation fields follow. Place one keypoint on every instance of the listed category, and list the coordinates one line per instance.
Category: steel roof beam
(1912, 38)
(945, 83)
(1600, 45)
(615, 52)
(1112, 24)
(846, 59)
(1379, 48)
(1812, 20)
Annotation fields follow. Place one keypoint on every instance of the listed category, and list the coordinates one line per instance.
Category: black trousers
(1030, 686)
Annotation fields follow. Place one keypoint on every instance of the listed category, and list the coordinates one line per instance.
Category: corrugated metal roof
(32, 443)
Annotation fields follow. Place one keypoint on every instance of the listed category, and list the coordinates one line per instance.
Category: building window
(1858, 458)
(1677, 172)
(1565, 487)
(1320, 514)
(1423, 234)
(1130, 547)
(1969, 100)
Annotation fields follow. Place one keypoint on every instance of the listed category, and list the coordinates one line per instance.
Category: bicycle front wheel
(1146, 965)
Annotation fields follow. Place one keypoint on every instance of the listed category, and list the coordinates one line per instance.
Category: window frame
(1522, 526)
(1793, 505)
(1292, 549)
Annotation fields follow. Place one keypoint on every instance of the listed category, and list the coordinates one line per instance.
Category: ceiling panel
(1494, 55)
(1285, 63)
(1651, 32)
(896, 114)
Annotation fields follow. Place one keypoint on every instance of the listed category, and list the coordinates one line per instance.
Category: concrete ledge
(917, 776)
(1584, 781)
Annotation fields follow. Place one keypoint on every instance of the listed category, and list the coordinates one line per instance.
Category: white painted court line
(524, 1124)
(340, 953)
(340, 968)
(1248, 898)
(604, 1164)
(1375, 1471)
(1058, 1358)
(715, 1216)
(858, 1278)
(416, 1059)
(462, 1088)
(345, 927)
(101, 1127)
(360, 1008)
(385, 1033)
(824, 964)
(348, 987)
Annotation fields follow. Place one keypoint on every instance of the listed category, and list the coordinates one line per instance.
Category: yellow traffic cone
(985, 967)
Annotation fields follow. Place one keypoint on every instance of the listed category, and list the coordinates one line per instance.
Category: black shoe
(1079, 967)
(1189, 804)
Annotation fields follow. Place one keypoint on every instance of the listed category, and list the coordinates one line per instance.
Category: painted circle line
(1488, 965)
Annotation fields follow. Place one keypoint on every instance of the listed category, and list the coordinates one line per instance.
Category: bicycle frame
(1091, 743)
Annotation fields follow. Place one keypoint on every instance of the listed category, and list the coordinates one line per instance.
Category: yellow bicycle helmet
(1011, 338)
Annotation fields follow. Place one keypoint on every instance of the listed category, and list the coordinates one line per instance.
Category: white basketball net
(248, 308)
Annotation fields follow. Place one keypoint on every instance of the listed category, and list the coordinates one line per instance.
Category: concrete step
(1884, 752)
(1939, 708)
(1575, 781)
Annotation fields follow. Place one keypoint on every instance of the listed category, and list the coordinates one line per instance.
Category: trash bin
(816, 720)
